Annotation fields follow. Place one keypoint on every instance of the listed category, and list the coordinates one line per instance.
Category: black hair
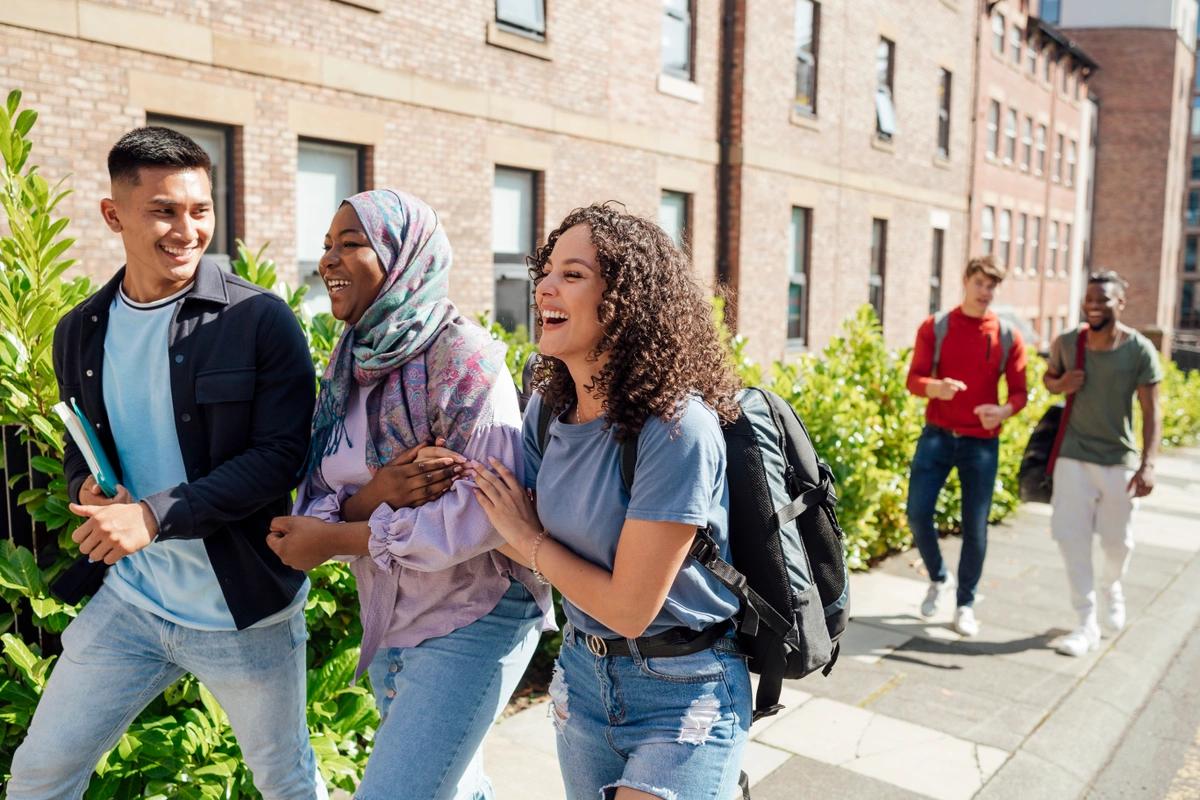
(1109, 276)
(153, 146)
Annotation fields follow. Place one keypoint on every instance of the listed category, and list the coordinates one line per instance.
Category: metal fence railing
(18, 527)
(1186, 356)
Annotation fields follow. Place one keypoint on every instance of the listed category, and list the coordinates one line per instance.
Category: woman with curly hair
(649, 696)
(436, 598)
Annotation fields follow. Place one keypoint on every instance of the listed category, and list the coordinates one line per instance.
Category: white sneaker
(1080, 641)
(965, 622)
(933, 597)
(1114, 617)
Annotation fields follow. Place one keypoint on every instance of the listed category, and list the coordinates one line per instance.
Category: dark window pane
(878, 265)
(1189, 254)
(944, 114)
(935, 277)
(514, 296)
(796, 322)
(1189, 305)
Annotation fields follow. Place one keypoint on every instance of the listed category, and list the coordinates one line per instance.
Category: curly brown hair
(659, 332)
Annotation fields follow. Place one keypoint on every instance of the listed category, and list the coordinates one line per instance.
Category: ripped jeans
(673, 727)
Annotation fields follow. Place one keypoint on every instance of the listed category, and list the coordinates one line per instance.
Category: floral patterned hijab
(429, 370)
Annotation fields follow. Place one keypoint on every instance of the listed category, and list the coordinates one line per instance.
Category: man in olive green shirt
(1098, 473)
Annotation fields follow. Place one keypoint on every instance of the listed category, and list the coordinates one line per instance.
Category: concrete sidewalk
(912, 710)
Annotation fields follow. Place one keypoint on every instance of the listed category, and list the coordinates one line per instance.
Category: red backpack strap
(1080, 346)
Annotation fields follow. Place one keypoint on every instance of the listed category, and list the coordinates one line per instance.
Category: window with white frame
(885, 73)
(993, 128)
(1010, 136)
(1026, 144)
(1035, 244)
(326, 174)
(1031, 55)
(1058, 157)
(987, 229)
(1071, 156)
(673, 212)
(1004, 237)
(1052, 249)
(998, 34)
(1022, 227)
(1015, 37)
(808, 29)
(514, 228)
(799, 252)
(1040, 146)
(677, 38)
(1047, 59)
(1066, 249)
(526, 17)
(217, 143)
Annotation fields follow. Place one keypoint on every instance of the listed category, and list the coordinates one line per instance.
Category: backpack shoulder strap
(628, 463)
(941, 326)
(1006, 344)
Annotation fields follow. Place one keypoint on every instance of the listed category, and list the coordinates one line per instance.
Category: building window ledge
(941, 161)
(803, 119)
(499, 37)
(951, 4)
(886, 145)
(681, 88)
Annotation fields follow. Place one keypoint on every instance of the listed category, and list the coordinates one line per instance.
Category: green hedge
(851, 396)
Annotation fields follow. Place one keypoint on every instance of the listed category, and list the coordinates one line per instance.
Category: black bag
(788, 560)
(1035, 478)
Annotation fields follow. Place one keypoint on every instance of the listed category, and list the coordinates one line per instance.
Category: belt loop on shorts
(597, 646)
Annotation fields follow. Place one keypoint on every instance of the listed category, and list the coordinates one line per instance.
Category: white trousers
(1092, 499)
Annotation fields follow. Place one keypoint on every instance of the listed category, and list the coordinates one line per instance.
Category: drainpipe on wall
(729, 167)
(983, 9)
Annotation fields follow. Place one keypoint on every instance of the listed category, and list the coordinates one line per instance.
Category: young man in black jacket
(201, 389)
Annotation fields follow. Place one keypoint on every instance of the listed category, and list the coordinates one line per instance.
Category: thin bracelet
(537, 573)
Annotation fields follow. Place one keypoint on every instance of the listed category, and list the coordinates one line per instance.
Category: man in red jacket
(961, 378)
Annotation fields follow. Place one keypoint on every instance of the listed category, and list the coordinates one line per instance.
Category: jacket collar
(208, 286)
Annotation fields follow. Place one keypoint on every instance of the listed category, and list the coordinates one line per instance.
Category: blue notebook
(85, 438)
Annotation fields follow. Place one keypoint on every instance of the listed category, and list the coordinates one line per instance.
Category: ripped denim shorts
(674, 727)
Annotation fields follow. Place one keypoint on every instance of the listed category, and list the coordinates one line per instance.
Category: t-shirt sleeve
(529, 438)
(678, 469)
(1056, 364)
(1150, 369)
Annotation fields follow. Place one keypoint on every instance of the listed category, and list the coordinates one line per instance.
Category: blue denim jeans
(939, 451)
(117, 658)
(673, 727)
(439, 698)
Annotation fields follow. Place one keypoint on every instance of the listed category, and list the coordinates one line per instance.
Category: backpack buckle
(704, 548)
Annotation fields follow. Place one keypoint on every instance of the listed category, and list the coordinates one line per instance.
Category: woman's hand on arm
(407, 481)
(307, 542)
(649, 556)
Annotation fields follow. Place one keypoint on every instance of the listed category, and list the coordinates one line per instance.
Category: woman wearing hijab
(437, 601)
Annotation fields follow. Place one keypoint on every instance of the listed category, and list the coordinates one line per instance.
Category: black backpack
(788, 562)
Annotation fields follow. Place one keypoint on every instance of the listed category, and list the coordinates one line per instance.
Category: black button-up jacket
(242, 387)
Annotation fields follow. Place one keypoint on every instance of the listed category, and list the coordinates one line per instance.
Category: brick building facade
(1032, 155)
(1144, 91)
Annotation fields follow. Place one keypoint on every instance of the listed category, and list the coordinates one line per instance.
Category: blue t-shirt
(172, 579)
(680, 477)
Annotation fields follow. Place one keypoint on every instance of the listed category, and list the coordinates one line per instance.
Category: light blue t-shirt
(680, 477)
(172, 579)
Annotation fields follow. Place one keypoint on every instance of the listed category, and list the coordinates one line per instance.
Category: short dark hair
(1109, 276)
(154, 146)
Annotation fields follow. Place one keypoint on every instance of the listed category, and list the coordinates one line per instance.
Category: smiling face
(1102, 305)
(166, 221)
(568, 297)
(350, 267)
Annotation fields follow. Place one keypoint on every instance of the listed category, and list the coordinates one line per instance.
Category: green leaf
(46, 465)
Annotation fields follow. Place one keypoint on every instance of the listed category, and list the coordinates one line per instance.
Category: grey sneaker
(933, 597)
(1114, 616)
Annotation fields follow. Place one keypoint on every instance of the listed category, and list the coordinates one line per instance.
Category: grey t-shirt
(1100, 430)
(680, 477)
